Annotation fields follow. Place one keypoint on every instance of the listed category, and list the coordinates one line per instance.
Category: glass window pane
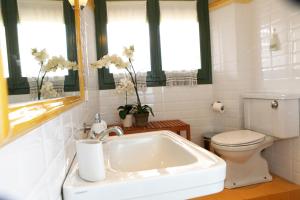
(179, 34)
(41, 26)
(127, 25)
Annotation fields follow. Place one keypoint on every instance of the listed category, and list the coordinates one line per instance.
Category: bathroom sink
(151, 152)
(153, 165)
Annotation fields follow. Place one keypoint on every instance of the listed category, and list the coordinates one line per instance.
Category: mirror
(38, 46)
(18, 119)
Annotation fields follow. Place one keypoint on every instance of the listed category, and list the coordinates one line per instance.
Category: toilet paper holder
(221, 107)
(215, 102)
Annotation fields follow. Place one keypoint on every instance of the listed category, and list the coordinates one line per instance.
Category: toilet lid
(238, 138)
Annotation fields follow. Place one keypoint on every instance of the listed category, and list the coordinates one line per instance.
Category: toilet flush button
(274, 104)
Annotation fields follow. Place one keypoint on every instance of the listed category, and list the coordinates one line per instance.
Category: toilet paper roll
(218, 107)
(90, 160)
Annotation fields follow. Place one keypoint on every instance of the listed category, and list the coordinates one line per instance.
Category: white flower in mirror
(40, 56)
(48, 91)
(53, 64)
(128, 52)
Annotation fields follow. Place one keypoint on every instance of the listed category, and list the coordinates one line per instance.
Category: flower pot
(127, 122)
(141, 119)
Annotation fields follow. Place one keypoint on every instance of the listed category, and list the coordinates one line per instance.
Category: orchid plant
(129, 82)
(125, 87)
(49, 65)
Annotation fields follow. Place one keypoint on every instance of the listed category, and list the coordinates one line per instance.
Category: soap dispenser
(99, 125)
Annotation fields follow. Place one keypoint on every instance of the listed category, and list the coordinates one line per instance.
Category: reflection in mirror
(39, 49)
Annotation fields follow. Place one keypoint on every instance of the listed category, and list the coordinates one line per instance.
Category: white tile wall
(36, 163)
(231, 63)
(34, 166)
(190, 104)
(243, 62)
(278, 71)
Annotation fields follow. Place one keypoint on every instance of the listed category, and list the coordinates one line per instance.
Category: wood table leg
(188, 133)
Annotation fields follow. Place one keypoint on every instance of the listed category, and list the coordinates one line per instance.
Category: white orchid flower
(125, 86)
(40, 56)
(48, 91)
(118, 62)
(128, 52)
(105, 61)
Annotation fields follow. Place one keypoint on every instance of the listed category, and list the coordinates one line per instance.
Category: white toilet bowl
(271, 115)
(242, 152)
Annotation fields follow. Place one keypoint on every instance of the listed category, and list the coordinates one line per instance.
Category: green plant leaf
(148, 109)
(128, 107)
(151, 111)
(122, 114)
(124, 110)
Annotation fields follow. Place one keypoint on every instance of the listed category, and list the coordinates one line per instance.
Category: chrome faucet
(115, 129)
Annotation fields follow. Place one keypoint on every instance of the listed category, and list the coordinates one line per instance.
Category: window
(43, 21)
(179, 37)
(179, 34)
(127, 25)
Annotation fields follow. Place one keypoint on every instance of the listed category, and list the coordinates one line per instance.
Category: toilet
(267, 117)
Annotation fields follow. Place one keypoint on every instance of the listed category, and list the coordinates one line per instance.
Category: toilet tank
(273, 114)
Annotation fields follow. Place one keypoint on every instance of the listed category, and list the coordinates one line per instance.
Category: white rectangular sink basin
(153, 165)
(155, 152)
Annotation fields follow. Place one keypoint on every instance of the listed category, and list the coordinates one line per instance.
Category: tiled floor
(278, 189)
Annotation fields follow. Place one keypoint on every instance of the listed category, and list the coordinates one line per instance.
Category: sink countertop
(207, 170)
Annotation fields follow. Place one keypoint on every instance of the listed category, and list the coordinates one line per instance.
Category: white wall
(190, 104)
(278, 71)
(231, 63)
(34, 166)
(243, 62)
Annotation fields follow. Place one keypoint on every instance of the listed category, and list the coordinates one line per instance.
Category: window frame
(155, 77)
(17, 84)
(71, 80)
